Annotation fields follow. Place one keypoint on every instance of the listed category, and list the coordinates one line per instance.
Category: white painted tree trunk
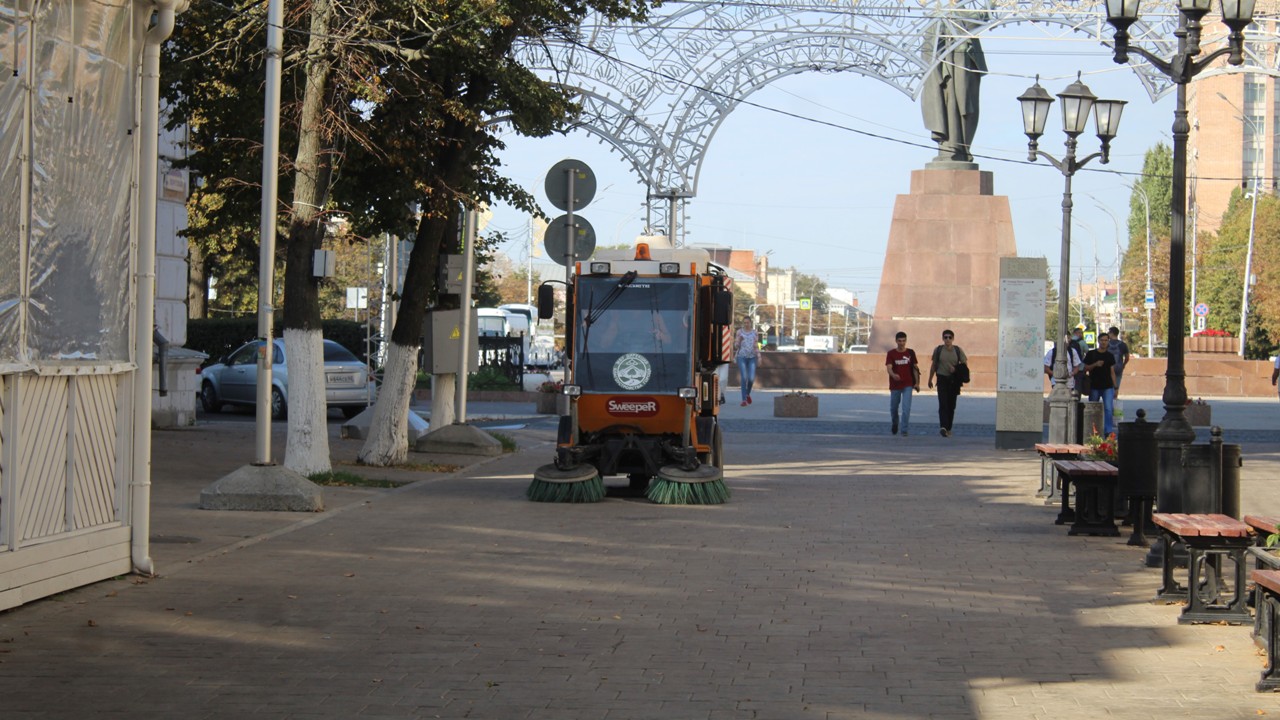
(444, 391)
(388, 440)
(307, 449)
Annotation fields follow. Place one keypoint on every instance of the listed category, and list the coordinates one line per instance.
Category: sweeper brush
(578, 485)
(674, 486)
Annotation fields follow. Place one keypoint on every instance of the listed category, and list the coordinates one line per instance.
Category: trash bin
(1137, 480)
(1212, 473)
(1202, 492)
(1138, 457)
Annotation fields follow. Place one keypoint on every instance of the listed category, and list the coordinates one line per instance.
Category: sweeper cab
(645, 332)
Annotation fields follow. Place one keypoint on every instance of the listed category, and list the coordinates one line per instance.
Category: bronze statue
(949, 101)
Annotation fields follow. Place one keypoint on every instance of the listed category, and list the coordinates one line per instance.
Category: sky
(819, 197)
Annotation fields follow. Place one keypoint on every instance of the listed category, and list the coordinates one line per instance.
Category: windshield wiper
(594, 313)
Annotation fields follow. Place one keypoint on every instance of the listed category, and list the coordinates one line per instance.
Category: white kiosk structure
(78, 187)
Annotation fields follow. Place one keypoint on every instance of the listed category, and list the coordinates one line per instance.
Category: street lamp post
(1174, 431)
(1077, 101)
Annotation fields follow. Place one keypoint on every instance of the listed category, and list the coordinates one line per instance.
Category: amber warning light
(642, 251)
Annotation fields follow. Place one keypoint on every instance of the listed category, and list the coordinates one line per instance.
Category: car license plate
(341, 379)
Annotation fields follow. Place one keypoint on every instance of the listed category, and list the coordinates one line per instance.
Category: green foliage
(490, 379)
(217, 337)
(1220, 272)
(814, 287)
(741, 304)
(509, 444)
(343, 478)
(1156, 183)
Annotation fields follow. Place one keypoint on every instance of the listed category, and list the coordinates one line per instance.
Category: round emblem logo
(632, 371)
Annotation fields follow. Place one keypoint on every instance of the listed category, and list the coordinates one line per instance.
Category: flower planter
(796, 406)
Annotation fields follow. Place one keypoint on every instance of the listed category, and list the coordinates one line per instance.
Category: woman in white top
(746, 349)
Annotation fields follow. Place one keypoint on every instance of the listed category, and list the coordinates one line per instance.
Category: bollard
(1136, 481)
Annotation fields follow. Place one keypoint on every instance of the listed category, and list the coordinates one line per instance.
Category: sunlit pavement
(852, 575)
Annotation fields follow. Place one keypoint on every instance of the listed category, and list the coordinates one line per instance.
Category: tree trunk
(307, 447)
(388, 440)
(197, 283)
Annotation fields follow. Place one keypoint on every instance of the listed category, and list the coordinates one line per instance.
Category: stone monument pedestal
(942, 263)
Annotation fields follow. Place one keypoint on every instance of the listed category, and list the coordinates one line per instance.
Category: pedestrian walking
(904, 379)
(746, 348)
(1100, 365)
(1120, 351)
(1275, 374)
(946, 357)
(1074, 363)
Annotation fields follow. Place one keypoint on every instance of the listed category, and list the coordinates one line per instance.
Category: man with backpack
(1120, 351)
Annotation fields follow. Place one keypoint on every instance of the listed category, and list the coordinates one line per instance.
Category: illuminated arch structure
(658, 92)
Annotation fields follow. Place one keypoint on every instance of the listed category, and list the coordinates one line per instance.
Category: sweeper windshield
(634, 335)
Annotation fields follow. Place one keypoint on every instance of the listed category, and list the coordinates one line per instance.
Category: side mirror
(546, 301)
(722, 307)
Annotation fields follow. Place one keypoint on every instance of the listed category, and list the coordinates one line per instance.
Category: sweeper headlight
(688, 393)
(599, 268)
(572, 390)
(669, 268)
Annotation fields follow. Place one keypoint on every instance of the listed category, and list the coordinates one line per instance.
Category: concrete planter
(795, 406)
(1200, 415)
(547, 404)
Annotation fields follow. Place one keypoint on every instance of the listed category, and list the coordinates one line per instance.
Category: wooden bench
(1268, 584)
(1208, 540)
(1095, 482)
(1263, 559)
(1048, 478)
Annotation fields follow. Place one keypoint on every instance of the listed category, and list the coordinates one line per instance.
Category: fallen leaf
(93, 623)
(1220, 648)
(113, 592)
(349, 574)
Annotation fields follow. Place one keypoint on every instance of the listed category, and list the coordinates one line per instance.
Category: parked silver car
(349, 385)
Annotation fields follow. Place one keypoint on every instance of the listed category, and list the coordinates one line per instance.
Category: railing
(504, 354)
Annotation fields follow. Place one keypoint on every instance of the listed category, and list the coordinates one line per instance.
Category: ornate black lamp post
(1077, 101)
(1174, 431)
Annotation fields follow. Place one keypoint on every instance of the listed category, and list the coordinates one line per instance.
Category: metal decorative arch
(658, 92)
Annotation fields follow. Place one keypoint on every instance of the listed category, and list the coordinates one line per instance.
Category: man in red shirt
(904, 379)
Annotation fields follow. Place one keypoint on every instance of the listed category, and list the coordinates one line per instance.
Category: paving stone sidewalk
(849, 577)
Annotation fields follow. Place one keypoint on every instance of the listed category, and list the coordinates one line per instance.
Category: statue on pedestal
(949, 102)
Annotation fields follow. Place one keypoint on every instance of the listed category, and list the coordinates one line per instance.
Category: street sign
(1201, 309)
(584, 239)
(1200, 323)
(1090, 339)
(806, 303)
(557, 184)
(1149, 301)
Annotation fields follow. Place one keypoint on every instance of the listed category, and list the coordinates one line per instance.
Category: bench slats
(1211, 525)
(1263, 523)
(1269, 579)
(1084, 467)
(1060, 448)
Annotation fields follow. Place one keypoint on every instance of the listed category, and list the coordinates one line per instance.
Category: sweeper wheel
(581, 484)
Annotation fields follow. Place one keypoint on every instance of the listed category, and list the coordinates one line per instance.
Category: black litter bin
(1212, 474)
(1138, 463)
